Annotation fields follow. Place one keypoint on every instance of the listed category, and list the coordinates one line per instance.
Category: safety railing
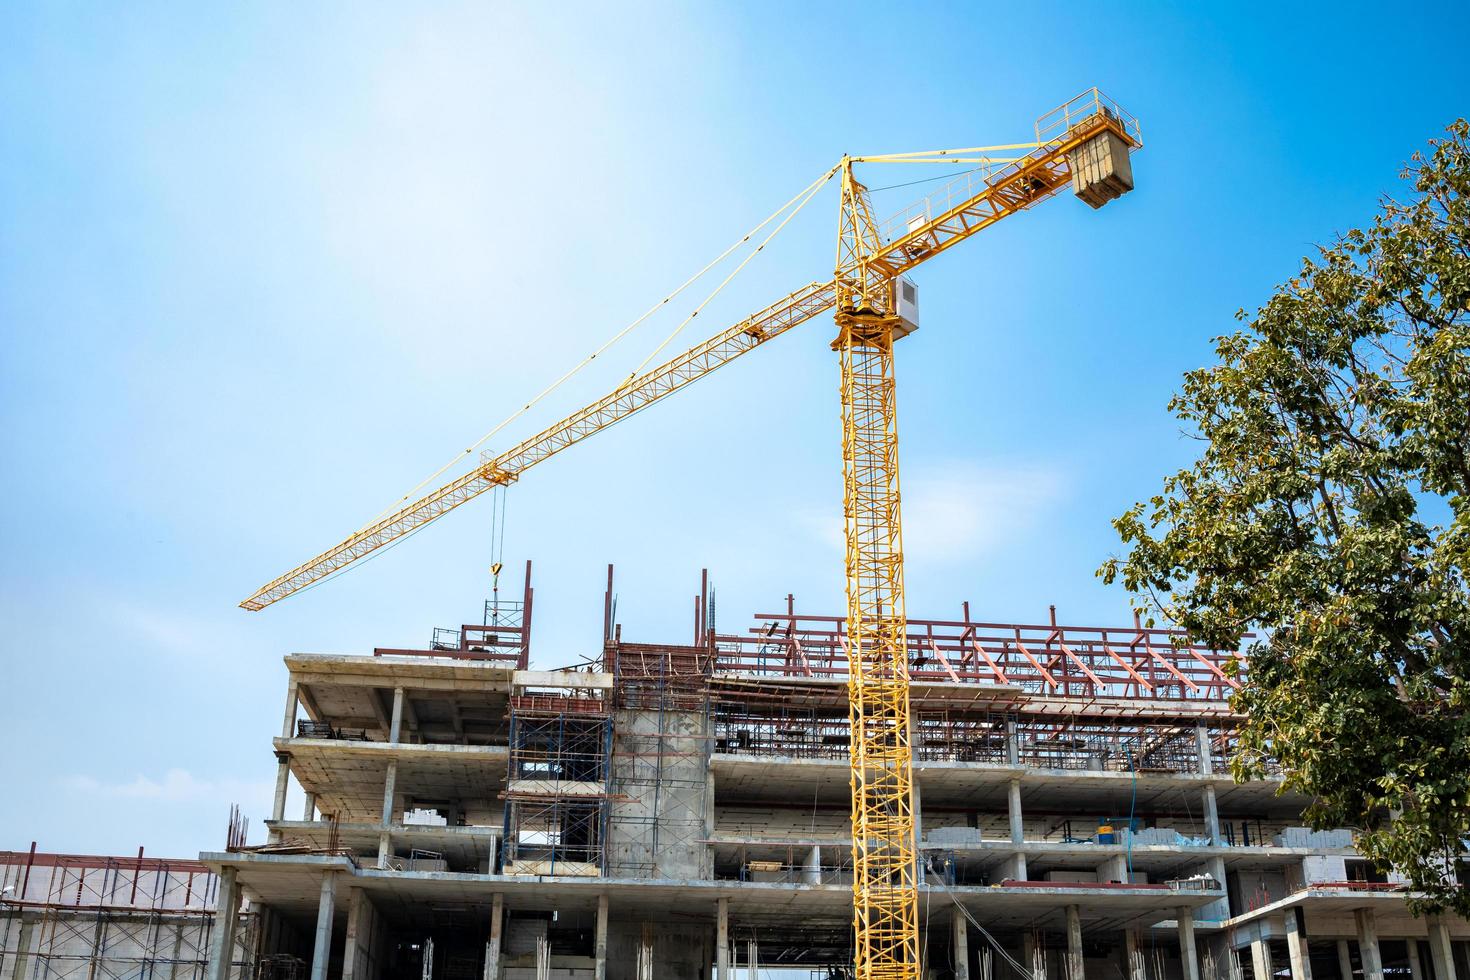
(1057, 123)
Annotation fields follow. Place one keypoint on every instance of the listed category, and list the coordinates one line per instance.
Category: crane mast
(885, 890)
(1087, 142)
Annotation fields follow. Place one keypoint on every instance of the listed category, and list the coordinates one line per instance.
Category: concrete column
(283, 773)
(1344, 960)
(710, 815)
(1212, 815)
(1368, 944)
(385, 841)
(960, 940)
(395, 727)
(1018, 832)
(321, 952)
(1028, 955)
(1416, 965)
(293, 695)
(492, 948)
(1261, 959)
(1441, 953)
(916, 806)
(1206, 760)
(752, 960)
(1296, 946)
(1219, 909)
(1114, 868)
(354, 929)
(1188, 957)
(309, 813)
(1013, 810)
(1074, 943)
(23, 954)
(811, 868)
(390, 784)
(599, 947)
(1013, 744)
(1136, 967)
(722, 938)
(226, 918)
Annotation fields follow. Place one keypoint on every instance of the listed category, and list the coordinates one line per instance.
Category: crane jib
(621, 403)
(1067, 138)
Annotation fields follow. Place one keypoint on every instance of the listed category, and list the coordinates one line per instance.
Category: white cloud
(170, 632)
(177, 785)
(206, 640)
(960, 511)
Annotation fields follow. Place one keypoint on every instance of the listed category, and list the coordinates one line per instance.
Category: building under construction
(683, 811)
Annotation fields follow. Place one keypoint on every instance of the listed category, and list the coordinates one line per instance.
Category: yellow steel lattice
(885, 906)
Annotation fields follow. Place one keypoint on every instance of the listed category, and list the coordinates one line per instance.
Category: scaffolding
(77, 917)
(748, 720)
(554, 836)
(743, 728)
(559, 785)
(954, 736)
(1108, 746)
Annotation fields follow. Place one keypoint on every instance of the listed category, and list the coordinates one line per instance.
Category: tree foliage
(1329, 515)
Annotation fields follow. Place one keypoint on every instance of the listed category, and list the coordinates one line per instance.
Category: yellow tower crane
(1085, 142)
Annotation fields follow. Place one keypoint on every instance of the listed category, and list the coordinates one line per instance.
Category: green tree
(1329, 515)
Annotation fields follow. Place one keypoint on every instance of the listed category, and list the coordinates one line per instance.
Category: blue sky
(262, 268)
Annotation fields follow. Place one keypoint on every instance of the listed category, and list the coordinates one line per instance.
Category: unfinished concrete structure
(681, 811)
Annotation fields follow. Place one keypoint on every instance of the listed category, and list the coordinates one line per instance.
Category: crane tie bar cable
(802, 196)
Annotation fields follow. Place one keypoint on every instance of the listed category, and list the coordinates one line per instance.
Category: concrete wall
(1253, 889)
(661, 779)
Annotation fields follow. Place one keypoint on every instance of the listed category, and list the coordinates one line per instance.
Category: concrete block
(1101, 169)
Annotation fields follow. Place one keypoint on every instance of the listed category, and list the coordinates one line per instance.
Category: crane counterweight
(1101, 169)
